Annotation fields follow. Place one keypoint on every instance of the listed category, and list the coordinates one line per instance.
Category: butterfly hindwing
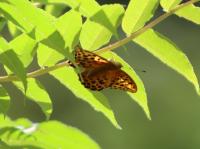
(124, 82)
(98, 81)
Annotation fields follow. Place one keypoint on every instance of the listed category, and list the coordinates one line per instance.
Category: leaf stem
(117, 44)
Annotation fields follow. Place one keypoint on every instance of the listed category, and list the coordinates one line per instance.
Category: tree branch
(117, 44)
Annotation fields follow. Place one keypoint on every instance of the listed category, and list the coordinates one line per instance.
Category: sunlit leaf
(51, 134)
(24, 47)
(69, 29)
(47, 56)
(169, 4)
(190, 12)
(137, 14)
(35, 17)
(99, 31)
(166, 51)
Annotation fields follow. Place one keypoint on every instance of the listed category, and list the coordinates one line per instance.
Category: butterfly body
(101, 69)
(99, 73)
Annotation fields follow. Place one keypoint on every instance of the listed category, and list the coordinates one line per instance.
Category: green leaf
(166, 51)
(70, 3)
(50, 134)
(86, 7)
(2, 23)
(94, 35)
(69, 29)
(169, 4)
(140, 96)
(97, 100)
(5, 121)
(137, 14)
(13, 29)
(99, 31)
(55, 10)
(35, 17)
(10, 59)
(34, 21)
(109, 16)
(24, 47)
(47, 56)
(9, 11)
(63, 136)
(4, 100)
(37, 93)
(190, 12)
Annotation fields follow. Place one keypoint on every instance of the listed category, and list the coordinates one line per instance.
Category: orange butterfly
(99, 73)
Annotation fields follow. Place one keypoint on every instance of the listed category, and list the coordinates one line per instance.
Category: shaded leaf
(140, 96)
(55, 10)
(14, 31)
(4, 100)
(2, 23)
(70, 3)
(69, 78)
(10, 59)
(38, 94)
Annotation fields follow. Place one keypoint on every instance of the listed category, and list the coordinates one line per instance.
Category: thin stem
(35, 73)
(117, 44)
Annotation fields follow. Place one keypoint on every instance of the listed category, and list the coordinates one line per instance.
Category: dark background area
(173, 102)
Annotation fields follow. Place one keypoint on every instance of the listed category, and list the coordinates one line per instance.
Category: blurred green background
(173, 102)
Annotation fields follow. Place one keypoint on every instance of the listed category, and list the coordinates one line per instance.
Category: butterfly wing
(98, 81)
(100, 73)
(87, 59)
(116, 79)
(123, 81)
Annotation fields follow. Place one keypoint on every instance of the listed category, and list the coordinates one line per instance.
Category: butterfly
(99, 73)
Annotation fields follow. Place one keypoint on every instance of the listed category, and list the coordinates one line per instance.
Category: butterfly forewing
(88, 59)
